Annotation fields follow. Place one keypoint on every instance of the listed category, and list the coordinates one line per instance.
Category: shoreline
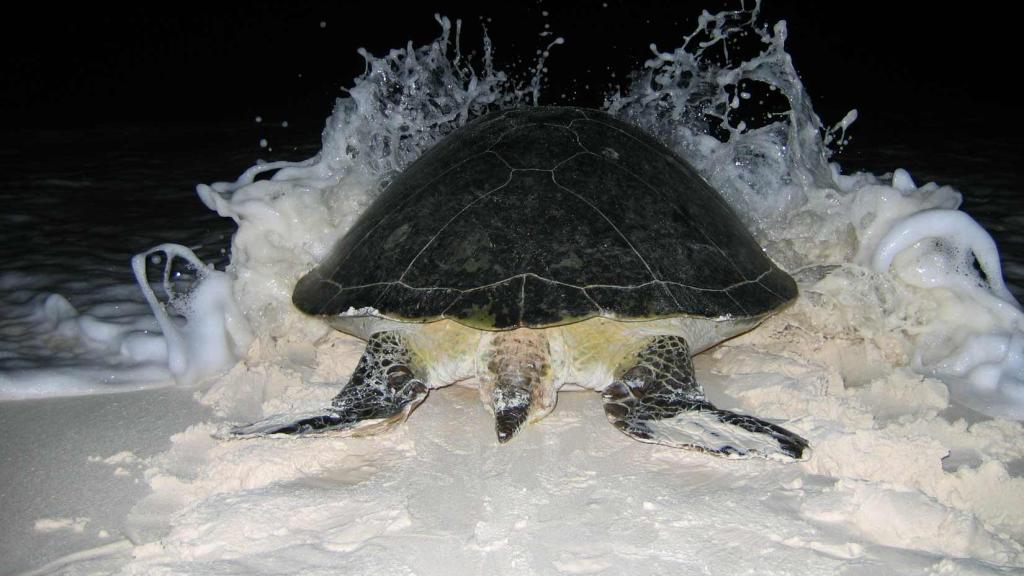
(71, 468)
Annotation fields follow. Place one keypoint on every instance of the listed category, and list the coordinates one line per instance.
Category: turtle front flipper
(382, 392)
(658, 400)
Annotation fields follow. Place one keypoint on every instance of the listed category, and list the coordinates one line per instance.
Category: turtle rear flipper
(381, 393)
(658, 400)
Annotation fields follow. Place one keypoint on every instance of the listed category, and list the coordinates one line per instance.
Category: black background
(909, 68)
(117, 94)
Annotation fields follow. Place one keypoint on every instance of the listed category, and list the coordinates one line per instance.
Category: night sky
(925, 70)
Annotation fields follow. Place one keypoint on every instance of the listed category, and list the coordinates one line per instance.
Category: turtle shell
(537, 217)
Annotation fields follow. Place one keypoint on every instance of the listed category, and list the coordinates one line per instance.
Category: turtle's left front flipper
(383, 391)
(658, 400)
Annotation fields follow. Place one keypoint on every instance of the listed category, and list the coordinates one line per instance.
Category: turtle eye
(398, 376)
(636, 375)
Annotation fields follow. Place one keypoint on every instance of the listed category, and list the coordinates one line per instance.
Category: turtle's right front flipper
(658, 400)
(383, 391)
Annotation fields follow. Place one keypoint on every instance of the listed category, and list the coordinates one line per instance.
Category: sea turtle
(540, 248)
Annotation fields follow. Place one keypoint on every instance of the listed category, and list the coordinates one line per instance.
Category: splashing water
(216, 333)
(691, 99)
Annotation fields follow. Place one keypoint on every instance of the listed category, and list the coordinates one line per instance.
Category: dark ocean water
(79, 203)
